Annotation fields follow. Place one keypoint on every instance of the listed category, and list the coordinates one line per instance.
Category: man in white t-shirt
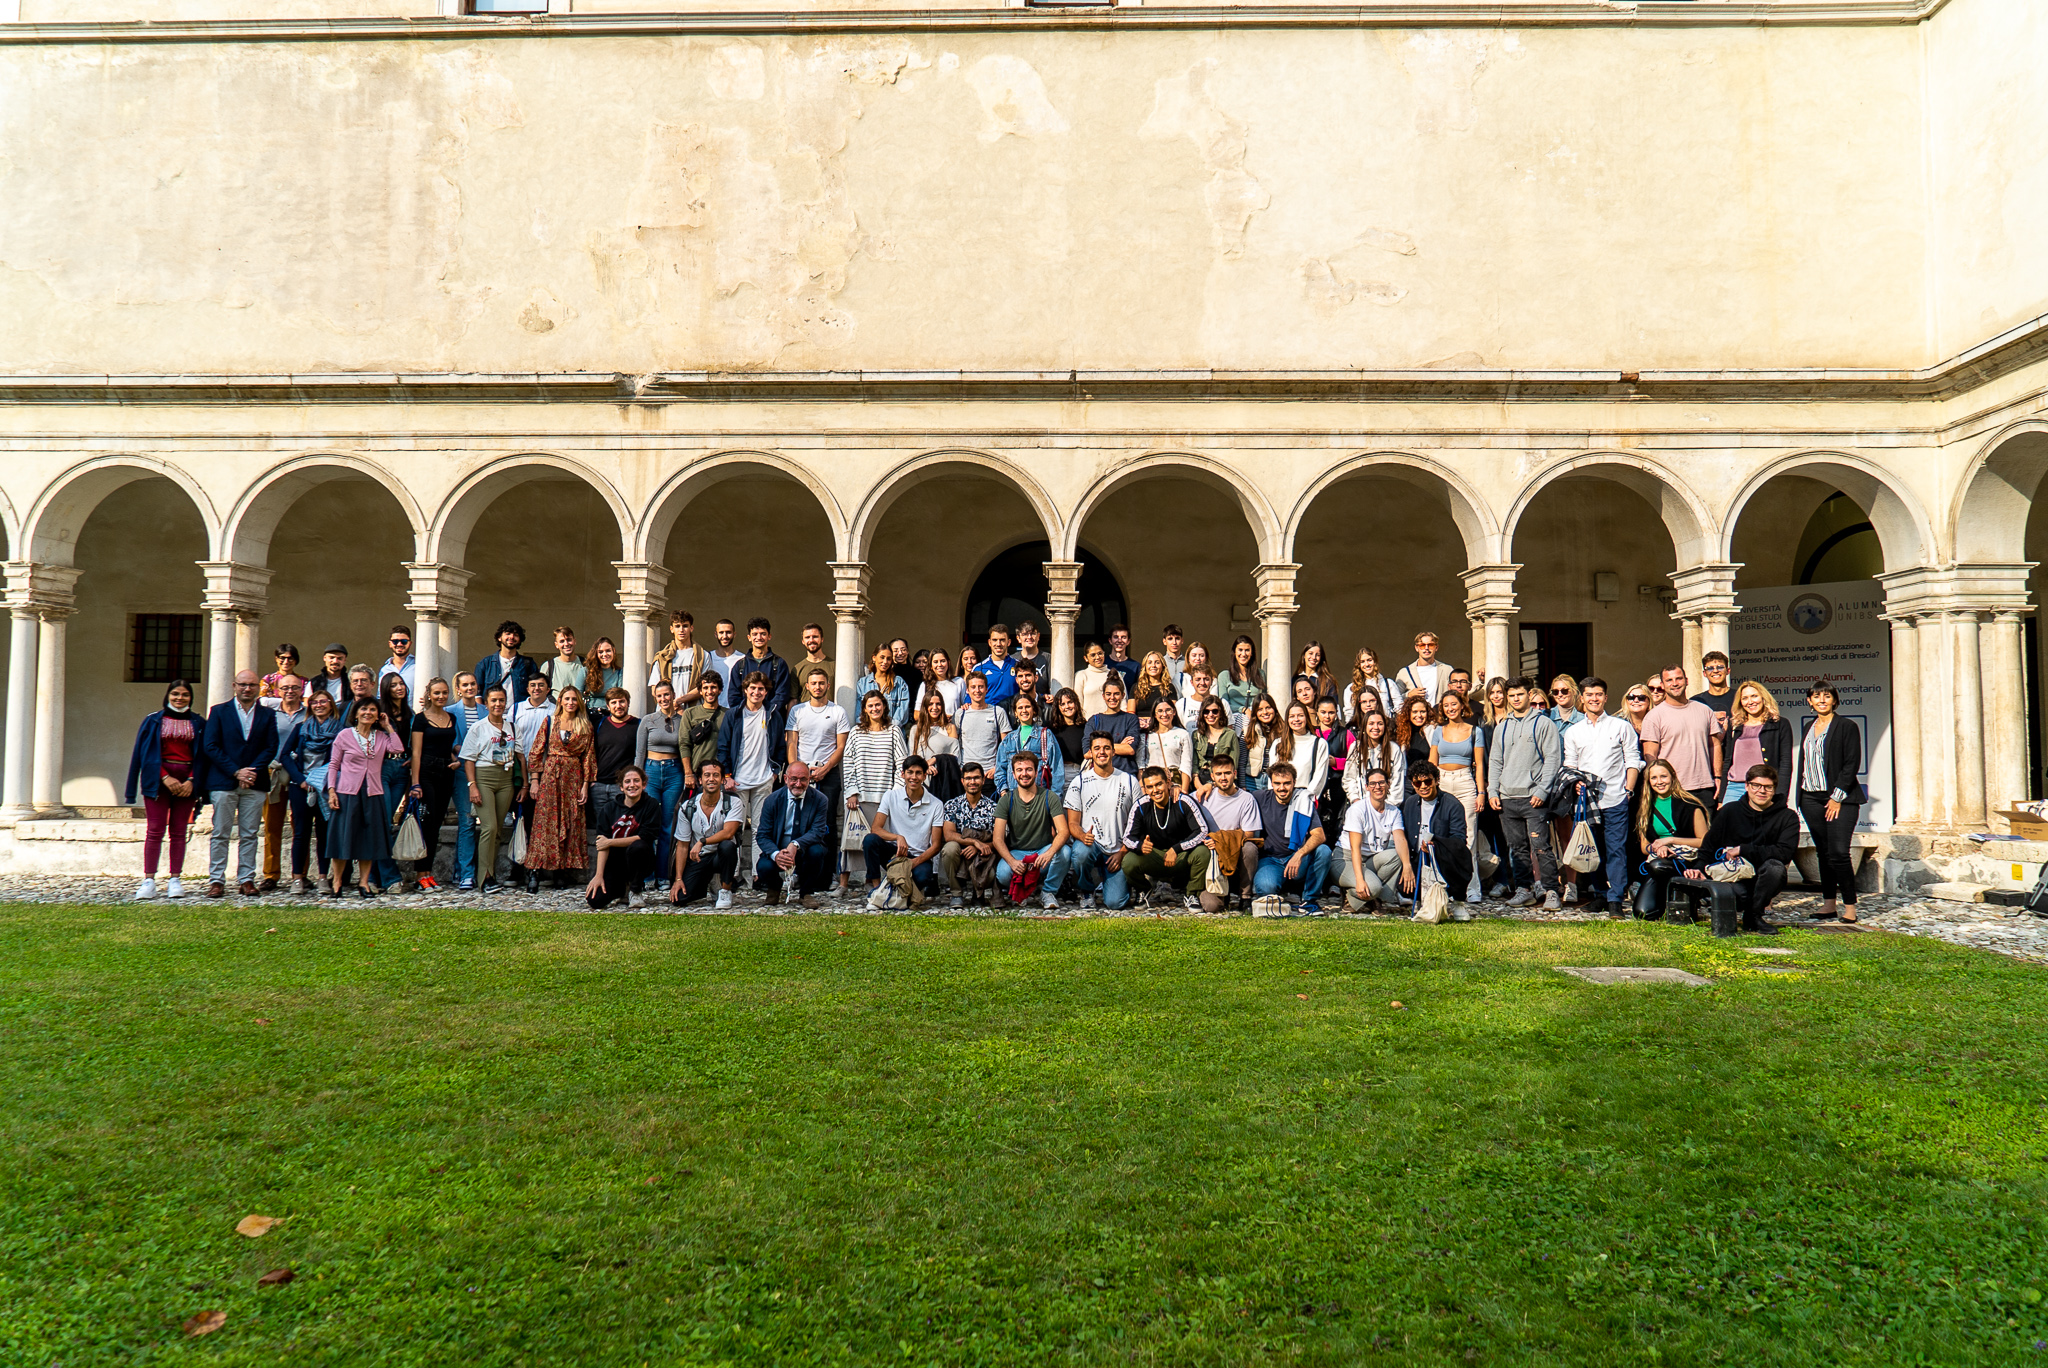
(749, 744)
(1099, 804)
(909, 825)
(725, 658)
(816, 734)
(1426, 673)
(1377, 864)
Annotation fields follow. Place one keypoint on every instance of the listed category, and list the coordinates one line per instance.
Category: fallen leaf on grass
(255, 1227)
(276, 1277)
(655, 1179)
(1302, 996)
(271, 932)
(206, 1322)
(839, 933)
(262, 1021)
(1397, 1006)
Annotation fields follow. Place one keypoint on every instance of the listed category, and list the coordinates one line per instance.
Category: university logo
(1809, 613)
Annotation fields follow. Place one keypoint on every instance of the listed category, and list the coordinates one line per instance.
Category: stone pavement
(1980, 926)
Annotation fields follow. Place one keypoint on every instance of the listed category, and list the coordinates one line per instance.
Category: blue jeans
(465, 833)
(1092, 871)
(1271, 875)
(1055, 868)
(665, 786)
(1613, 828)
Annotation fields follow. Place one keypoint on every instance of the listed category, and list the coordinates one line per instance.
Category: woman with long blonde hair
(1757, 735)
(1366, 679)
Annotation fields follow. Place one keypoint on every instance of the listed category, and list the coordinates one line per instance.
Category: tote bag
(1433, 903)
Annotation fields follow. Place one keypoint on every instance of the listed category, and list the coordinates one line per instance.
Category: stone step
(1954, 892)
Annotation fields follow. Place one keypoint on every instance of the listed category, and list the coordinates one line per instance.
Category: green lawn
(543, 1139)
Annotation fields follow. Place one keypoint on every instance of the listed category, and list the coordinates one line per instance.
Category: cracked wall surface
(1239, 198)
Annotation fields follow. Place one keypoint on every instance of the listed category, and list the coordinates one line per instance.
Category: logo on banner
(1810, 613)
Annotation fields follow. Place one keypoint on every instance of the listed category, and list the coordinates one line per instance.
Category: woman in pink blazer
(358, 828)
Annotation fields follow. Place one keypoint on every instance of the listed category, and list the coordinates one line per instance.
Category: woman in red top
(166, 749)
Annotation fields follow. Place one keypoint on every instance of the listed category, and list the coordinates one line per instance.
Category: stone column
(1906, 761)
(849, 638)
(236, 596)
(643, 596)
(48, 790)
(1276, 605)
(1969, 718)
(1062, 606)
(1937, 743)
(2005, 712)
(437, 600)
(21, 713)
(1490, 607)
(1705, 603)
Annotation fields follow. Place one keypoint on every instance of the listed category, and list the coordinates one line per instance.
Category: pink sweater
(351, 771)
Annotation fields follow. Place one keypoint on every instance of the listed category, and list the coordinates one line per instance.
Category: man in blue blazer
(1440, 831)
(795, 837)
(235, 753)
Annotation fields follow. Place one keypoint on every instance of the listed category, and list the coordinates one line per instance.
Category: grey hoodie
(1524, 757)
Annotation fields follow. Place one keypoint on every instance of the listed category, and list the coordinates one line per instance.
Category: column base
(54, 812)
(16, 812)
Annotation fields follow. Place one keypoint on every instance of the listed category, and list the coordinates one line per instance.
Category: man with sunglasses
(403, 664)
(1720, 691)
(1435, 827)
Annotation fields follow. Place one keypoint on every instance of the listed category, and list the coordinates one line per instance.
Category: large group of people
(1169, 778)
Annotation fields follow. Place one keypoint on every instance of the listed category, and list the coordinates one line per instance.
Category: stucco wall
(1988, 120)
(1554, 197)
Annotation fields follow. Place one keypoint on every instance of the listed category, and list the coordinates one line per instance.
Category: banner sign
(1787, 638)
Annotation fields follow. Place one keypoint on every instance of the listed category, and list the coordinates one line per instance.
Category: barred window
(163, 647)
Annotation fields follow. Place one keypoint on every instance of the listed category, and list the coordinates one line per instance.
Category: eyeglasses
(1560, 693)
(1376, 783)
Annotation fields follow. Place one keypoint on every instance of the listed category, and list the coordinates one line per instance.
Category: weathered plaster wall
(1632, 198)
(1987, 101)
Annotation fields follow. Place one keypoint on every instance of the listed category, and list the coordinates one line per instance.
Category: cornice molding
(1980, 365)
(469, 28)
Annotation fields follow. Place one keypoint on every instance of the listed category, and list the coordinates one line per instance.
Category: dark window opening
(1013, 587)
(163, 647)
(1550, 649)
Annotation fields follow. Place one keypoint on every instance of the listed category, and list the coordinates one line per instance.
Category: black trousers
(722, 859)
(1837, 867)
(437, 790)
(625, 869)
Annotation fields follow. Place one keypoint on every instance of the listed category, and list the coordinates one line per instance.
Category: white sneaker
(724, 899)
(1523, 897)
(1472, 898)
(1459, 914)
(174, 888)
(959, 901)
(1571, 895)
(1087, 902)
(1048, 901)
(1550, 903)
(146, 891)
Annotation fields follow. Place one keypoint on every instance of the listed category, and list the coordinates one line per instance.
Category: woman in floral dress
(562, 763)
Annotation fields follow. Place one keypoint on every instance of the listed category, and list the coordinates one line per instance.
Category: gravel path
(2004, 931)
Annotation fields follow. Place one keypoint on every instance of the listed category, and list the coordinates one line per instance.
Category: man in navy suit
(795, 837)
(1436, 824)
(235, 753)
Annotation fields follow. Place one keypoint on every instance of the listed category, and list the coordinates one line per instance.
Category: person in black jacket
(1753, 724)
(1760, 830)
(1444, 836)
(625, 848)
(1830, 797)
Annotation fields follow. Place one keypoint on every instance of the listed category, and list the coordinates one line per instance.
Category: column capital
(643, 589)
(40, 589)
(1275, 584)
(1705, 591)
(439, 590)
(235, 589)
(1490, 592)
(1927, 590)
(849, 591)
(1063, 578)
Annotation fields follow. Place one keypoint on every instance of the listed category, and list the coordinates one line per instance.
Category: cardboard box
(2026, 825)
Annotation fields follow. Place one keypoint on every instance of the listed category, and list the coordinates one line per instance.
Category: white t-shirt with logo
(818, 730)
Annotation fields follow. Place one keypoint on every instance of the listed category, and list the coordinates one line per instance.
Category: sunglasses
(1638, 698)
(1560, 693)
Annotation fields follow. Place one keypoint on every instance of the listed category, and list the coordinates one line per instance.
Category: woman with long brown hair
(1368, 682)
(1669, 821)
(561, 766)
(1264, 727)
(601, 673)
(1411, 727)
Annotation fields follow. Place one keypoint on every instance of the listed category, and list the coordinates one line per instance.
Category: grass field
(538, 1139)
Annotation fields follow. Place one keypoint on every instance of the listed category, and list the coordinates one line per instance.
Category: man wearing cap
(333, 675)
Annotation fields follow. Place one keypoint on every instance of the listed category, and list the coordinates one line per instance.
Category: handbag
(1582, 852)
(408, 844)
(856, 829)
(1433, 900)
(1731, 871)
